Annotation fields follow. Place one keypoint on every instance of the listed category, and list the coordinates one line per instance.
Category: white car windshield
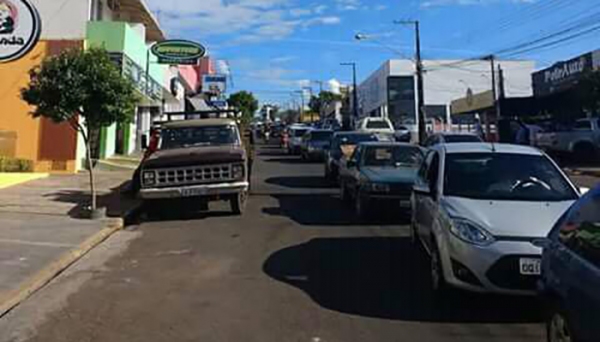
(198, 136)
(503, 176)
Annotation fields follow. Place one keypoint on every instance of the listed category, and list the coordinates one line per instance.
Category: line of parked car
(494, 218)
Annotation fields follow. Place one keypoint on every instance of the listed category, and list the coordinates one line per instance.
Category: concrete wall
(14, 113)
(63, 19)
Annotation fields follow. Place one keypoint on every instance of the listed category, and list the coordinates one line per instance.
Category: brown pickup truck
(200, 159)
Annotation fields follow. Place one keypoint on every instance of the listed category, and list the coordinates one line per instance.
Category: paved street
(296, 267)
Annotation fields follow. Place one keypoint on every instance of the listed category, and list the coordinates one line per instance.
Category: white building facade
(391, 91)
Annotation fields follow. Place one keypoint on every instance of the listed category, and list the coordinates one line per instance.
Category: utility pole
(320, 83)
(355, 90)
(420, 82)
(492, 60)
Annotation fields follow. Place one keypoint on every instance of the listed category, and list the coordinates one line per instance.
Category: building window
(97, 10)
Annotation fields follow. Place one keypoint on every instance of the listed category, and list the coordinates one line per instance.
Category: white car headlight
(149, 177)
(238, 171)
(379, 187)
(470, 232)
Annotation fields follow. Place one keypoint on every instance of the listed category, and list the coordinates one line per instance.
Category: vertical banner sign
(20, 29)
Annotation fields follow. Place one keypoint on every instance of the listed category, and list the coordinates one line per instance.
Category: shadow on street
(328, 210)
(113, 201)
(287, 160)
(385, 278)
(297, 182)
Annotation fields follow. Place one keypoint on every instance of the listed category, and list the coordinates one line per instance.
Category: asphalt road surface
(296, 267)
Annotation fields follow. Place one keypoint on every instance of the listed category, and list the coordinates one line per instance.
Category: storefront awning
(473, 103)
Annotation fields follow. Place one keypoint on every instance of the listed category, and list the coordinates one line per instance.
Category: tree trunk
(90, 164)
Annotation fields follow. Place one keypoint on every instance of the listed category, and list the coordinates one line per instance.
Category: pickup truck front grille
(192, 175)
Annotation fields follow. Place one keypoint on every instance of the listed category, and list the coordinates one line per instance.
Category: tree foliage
(81, 83)
(318, 103)
(245, 102)
(590, 92)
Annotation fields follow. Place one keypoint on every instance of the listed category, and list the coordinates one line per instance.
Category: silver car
(478, 209)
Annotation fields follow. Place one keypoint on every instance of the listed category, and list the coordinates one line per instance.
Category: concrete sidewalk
(40, 224)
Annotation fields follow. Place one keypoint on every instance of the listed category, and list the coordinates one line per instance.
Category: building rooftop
(137, 11)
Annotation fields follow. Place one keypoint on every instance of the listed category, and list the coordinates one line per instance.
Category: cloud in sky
(436, 3)
(258, 20)
(348, 5)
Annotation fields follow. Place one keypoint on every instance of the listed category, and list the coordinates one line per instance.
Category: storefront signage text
(176, 52)
(20, 29)
(563, 71)
(561, 76)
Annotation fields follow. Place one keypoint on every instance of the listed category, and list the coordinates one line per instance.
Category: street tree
(84, 89)
(317, 103)
(590, 92)
(245, 102)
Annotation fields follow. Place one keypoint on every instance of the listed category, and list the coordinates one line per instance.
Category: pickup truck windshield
(505, 177)
(199, 136)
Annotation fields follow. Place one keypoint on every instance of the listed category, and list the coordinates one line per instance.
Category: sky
(276, 47)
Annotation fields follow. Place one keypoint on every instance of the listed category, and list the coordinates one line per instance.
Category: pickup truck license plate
(529, 266)
(193, 192)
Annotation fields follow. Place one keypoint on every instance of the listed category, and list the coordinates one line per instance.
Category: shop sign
(20, 29)
(214, 84)
(561, 76)
(178, 52)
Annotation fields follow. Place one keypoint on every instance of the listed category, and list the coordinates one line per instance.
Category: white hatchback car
(479, 208)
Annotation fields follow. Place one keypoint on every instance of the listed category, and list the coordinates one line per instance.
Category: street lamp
(355, 90)
(364, 37)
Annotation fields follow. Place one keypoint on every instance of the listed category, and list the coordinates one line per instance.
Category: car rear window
(299, 132)
(378, 124)
(458, 138)
(321, 136)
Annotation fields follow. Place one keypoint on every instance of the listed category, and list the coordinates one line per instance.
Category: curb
(14, 179)
(48, 273)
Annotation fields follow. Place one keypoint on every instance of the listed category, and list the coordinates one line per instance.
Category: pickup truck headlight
(238, 171)
(470, 232)
(149, 177)
(379, 187)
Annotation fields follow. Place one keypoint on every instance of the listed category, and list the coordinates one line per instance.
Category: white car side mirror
(584, 190)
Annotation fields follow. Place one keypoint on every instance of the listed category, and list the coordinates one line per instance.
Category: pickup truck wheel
(238, 203)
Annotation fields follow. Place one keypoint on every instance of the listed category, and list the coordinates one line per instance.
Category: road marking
(36, 243)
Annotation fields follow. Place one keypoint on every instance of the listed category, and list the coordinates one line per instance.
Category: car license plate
(193, 192)
(530, 266)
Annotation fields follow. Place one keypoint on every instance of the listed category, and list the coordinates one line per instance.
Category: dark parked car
(343, 144)
(571, 273)
(380, 172)
(315, 144)
(451, 138)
